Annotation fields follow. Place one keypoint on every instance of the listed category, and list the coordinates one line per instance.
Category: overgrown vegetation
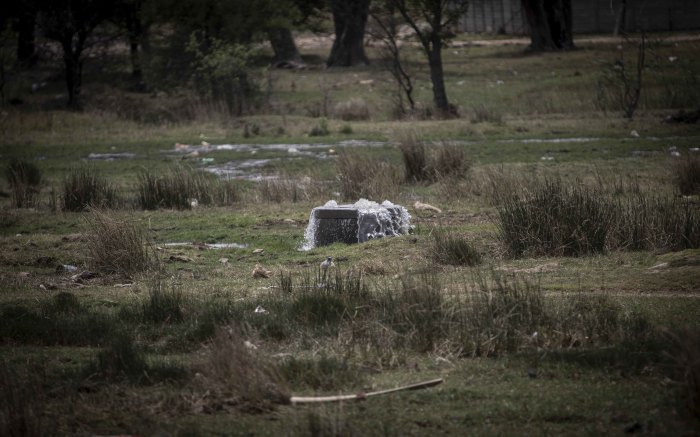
(182, 188)
(363, 177)
(84, 188)
(449, 248)
(24, 178)
(118, 245)
(686, 174)
(424, 163)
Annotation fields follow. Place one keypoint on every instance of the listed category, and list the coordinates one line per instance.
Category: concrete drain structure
(355, 223)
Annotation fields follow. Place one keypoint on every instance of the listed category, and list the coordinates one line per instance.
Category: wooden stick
(361, 395)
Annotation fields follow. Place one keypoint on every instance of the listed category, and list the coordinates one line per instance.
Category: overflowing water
(359, 222)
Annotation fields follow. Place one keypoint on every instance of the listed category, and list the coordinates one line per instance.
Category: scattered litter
(694, 149)
(24, 274)
(634, 133)
(367, 82)
(249, 345)
(547, 158)
(194, 203)
(499, 82)
(675, 154)
(123, 285)
(420, 206)
(180, 258)
(84, 276)
(292, 150)
(259, 251)
(659, 266)
(260, 272)
(223, 261)
(66, 268)
(260, 310)
(672, 58)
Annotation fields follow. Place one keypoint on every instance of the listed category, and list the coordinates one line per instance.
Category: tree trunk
(437, 78)
(72, 59)
(620, 18)
(26, 48)
(286, 52)
(349, 18)
(551, 24)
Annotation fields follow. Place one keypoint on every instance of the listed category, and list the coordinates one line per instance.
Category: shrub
(686, 171)
(117, 245)
(449, 248)
(363, 177)
(554, 220)
(84, 188)
(353, 109)
(430, 164)
(320, 130)
(24, 179)
(181, 187)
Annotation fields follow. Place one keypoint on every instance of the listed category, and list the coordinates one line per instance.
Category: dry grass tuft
(424, 163)
(686, 172)
(362, 177)
(84, 188)
(117, 245)
(353, 109)
(238, 376)
(24, 179)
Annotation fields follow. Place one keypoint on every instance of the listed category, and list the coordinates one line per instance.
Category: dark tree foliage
(440, 16)
(349, 20)
(551, 24)
(70, 23)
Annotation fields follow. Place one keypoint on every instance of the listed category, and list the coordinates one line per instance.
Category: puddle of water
(110, 156)
(290, 148)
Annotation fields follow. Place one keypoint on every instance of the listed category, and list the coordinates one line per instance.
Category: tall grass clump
(182, 188)
(453, 249)
(163, 304)
(554, 220)
(116, 245)
(22, 402)
(353, 109)
(423, 163)
(686, 171)
(500, 315)
(236, 376)
(363, 177)
(84, 188)
(647, 222)
(24, 179)
(121, 358)
(684, 350)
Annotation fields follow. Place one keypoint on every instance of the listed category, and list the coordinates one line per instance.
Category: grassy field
(553, 327)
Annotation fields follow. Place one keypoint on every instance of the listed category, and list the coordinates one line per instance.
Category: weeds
(121, 358)
(354, 109)
(21, 404)
(555, 220)
(237, 376)
(163, 305)
(322, 373)
(431, 164)
(363, 177)
(182, 187)
(320, 130)
(685, 352)
(84, 188)
(686, 171)
(482, 114)
(117, 245)
(449, 248)
(24, 179)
